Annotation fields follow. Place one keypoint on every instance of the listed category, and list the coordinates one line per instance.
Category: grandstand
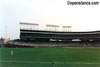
(31, 36)
(59, 36)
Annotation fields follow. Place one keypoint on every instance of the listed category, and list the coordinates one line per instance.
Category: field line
(48, 62)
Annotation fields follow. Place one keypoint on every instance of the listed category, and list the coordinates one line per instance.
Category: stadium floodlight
(30, 26)
(52, 27)
(66, 28)
(29, 23)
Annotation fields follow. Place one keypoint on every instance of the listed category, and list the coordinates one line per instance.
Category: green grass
(69, 56)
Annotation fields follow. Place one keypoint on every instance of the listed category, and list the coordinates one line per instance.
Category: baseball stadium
(51, 48)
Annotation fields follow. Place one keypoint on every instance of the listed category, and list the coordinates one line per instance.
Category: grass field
(50, 57)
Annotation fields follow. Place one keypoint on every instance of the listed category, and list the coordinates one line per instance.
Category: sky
(42, 12)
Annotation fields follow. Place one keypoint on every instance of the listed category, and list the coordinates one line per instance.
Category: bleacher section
(54, 44)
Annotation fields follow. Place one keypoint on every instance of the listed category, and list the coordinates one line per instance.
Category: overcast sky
(56, 12)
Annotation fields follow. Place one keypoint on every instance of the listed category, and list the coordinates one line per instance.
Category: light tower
(52, 27)
(66, 28)
(28, 26)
